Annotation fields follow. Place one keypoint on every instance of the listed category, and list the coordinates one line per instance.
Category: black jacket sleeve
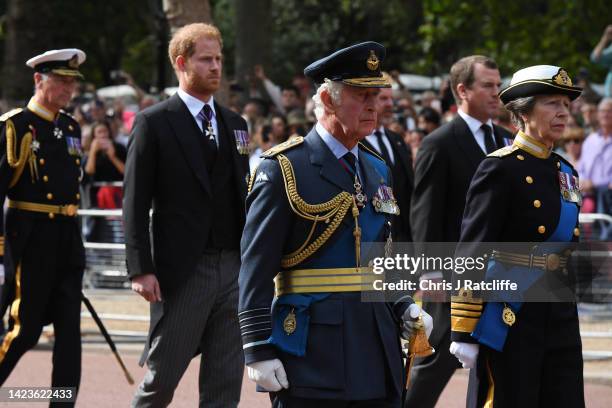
(138, 187)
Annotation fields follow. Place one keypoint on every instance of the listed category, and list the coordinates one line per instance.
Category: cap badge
(562, 78)
(74, 62)
(372, 61)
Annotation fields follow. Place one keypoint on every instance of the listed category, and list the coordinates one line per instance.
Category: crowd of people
(275, 113)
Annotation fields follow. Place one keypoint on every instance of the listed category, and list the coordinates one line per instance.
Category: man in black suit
(187, 159)
(445, 164)
(391, 147)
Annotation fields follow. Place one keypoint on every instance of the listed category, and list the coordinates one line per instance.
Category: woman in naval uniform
(525, 352)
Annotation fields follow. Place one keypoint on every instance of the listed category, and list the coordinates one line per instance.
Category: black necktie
(489, 142)
(206, 115)
(382, 148)
(351, 160)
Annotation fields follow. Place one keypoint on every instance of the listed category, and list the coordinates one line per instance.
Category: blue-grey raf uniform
(301, 285)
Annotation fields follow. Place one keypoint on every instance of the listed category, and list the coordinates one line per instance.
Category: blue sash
(339, 252)
(491, 329)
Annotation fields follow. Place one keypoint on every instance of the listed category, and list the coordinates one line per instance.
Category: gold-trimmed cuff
(466, 306)
(455, 312)
(463, 324)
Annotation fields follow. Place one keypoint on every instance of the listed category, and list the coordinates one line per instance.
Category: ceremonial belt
(324, 280)
(69, 210)
(548, 262)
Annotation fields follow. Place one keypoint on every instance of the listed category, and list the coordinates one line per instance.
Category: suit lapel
(466, 141)
(187, 133)
(240, 164)
(401, 153)
(331, 169)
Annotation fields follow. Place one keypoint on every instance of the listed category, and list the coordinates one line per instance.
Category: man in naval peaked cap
(44, 258)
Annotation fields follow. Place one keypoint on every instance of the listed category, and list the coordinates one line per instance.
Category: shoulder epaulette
(279, 148)
(504, 151)
(10, 113)
(372, 152)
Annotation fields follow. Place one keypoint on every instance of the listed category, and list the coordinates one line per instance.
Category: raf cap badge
(372, 61)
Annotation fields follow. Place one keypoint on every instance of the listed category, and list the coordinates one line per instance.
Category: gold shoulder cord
(331, 212)
(24, 152)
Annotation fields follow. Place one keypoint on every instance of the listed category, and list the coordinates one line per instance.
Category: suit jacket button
(537, 203)
(541, 229)
(529, 179)
(49, 196)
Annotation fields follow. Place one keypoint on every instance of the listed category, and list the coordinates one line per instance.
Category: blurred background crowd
(266, 45)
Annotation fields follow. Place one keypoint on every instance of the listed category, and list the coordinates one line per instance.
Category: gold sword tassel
(357, 234)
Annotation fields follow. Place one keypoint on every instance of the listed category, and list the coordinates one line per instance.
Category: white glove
(410, 318)
(268, 374)
(466, 353)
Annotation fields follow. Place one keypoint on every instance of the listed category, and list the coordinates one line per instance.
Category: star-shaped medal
(57, 132)
(210, 132)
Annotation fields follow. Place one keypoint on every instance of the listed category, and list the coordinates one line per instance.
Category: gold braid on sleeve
(331, 212)
(11, 154)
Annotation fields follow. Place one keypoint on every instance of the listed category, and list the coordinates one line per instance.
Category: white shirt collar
(337, 148)
(473, 123)
(194, 104)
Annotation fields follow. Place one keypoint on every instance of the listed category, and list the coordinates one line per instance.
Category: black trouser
(47, 289)
(540, 366)
(279, 400)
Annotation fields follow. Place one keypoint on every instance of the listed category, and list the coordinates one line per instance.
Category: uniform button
(520, 157)
(78, 162)
(45, 178)
(558, 165)
(541, 229)
(51, 215)
(42, 162)
(537, 203)
(529, 179)
(78, 196)
(49, 196)
(576, 232)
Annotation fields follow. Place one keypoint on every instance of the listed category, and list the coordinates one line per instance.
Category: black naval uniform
(40, 169)
(537, 362)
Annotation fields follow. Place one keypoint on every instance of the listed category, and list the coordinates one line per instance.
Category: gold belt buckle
(552, 262)
(69, 210)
